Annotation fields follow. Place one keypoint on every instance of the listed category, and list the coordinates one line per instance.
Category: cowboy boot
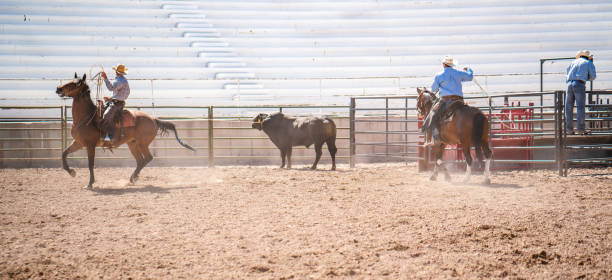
(433, 137)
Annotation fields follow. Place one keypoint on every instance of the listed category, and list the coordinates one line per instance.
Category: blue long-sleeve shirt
(449, 81)
(120, 88)
(580, 69)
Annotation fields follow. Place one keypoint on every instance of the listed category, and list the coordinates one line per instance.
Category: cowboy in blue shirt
(579, 72)
(115, 103)
(448, 83)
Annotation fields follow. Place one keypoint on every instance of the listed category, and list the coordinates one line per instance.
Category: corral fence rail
(217, 132)
(526, 130)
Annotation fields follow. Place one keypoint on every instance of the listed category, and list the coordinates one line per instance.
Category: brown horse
(468, 126)
(86, 132)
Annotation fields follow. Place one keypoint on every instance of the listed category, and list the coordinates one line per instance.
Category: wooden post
(211, 146)
(352, 133)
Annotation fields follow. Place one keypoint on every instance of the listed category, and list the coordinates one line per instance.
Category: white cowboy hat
(447, 60)
(586, 53)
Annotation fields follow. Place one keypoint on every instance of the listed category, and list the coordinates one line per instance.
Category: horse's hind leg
(74, 146)
(91, 156)
(331, 146)
(468, 162)
(146, 156)
(487, 169)
(139, 160)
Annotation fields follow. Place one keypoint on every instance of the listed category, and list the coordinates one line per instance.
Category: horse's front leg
(74, 146)
(437, 151)
(91, 155)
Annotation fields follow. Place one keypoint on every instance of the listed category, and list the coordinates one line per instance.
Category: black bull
(286, 132)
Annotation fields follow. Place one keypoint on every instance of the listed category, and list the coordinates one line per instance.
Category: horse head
(73, 88)
(425, 101)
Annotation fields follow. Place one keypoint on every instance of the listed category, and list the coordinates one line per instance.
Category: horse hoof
(72, 172)
(333, 168)
(133, 180)
(487, 181)
(432, 178)
(88, 187)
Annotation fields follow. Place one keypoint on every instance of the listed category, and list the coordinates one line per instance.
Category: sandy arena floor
(376, 221)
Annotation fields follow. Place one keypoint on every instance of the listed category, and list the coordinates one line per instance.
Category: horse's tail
(480, 135)
(165, 126)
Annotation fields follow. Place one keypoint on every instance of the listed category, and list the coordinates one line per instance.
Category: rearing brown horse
(468, 126)
(86, 132)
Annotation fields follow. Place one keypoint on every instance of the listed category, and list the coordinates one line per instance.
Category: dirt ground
(375, 221)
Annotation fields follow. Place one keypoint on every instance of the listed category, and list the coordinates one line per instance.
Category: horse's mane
(86, 95)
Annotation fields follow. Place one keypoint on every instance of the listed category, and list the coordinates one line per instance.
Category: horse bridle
(420, 103)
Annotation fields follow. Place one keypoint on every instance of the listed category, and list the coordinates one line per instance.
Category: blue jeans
(576, 90)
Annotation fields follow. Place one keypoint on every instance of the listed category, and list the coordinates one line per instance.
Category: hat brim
(121, 72)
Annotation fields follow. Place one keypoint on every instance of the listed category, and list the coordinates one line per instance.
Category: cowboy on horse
(115, 103)
(448, 83)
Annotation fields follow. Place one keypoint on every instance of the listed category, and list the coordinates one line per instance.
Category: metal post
(211, 154)
(490, 123)
(387, 129)
(563, 128)
(352, 133)
(64, 127)
(406, 131)
(542, 75)
(556, 118)
(559, 131)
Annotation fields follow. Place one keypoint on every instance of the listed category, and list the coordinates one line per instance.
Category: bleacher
(235, 52)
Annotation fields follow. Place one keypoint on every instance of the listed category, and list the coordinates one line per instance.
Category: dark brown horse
(86, 133)
(468, 126)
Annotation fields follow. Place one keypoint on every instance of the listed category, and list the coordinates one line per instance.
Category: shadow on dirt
(491, 185)
(497, 186)
(318, 170)
(143, 189)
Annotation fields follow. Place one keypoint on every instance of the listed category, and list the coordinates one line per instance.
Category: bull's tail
(164, 127)
(480, 137)
(330, 128)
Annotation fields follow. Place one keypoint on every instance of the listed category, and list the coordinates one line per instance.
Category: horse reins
(86, 121)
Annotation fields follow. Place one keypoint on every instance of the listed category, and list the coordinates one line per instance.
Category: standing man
(448, 82)
(579, 72)
(115, 104)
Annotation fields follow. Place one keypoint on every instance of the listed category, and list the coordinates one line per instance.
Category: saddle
(124, 119)
(450, 110)
(127, 119)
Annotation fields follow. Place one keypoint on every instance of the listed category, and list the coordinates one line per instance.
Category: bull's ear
(420, 91)
(84, 76)
(75, 75)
